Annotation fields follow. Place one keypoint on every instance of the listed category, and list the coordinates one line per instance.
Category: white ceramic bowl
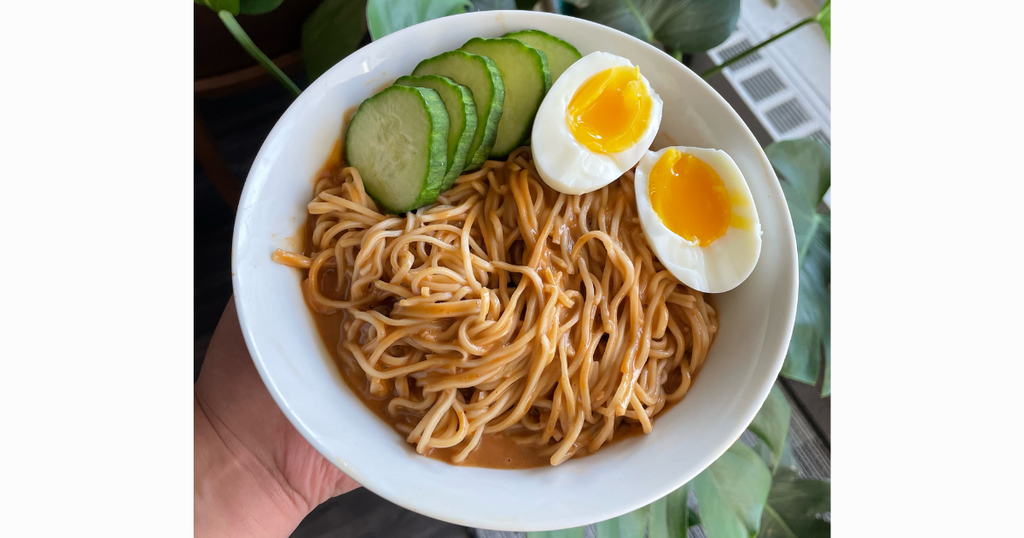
(756, 318)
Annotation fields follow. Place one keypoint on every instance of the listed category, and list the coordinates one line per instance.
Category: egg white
(728, 260)
(565, 164)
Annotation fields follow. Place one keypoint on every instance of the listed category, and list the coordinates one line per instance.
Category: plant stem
(243, 39)
(718, 69)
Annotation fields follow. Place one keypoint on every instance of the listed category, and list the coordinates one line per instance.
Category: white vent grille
(785, 84)
(763, 85)
(787, 116)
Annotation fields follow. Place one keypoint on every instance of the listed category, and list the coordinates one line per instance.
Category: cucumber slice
(560, 54)
(458, 101)
(481, 76)
(524, 70)
(398, 140)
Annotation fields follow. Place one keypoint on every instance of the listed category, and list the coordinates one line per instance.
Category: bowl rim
(259, 171)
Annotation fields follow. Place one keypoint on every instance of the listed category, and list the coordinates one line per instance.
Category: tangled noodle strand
(505, 306)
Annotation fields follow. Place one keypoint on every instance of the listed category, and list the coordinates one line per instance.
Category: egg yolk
(610, 111)
(689, 197)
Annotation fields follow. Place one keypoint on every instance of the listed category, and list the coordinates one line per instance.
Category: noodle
(506, 306)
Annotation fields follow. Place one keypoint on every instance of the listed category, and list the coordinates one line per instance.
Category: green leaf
(766, 453)
(388, 16)
(787, 468)
(332, 32)
(623, 15)
(787, 462)
(564, 533)
(826, 385)
(231, 6)
(491, 5)
(784, 463)
(686, 26)
(258, 7)
(824, 18)
(628, 525)
(526, 4)
(806, 166)
(772, 423)
(670, 517)
(794, 508)
(731, 493)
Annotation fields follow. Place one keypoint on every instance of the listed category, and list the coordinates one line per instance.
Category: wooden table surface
(239, 125)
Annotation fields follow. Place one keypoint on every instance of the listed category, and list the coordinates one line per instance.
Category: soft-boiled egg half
(595, 123)
(699, 217)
